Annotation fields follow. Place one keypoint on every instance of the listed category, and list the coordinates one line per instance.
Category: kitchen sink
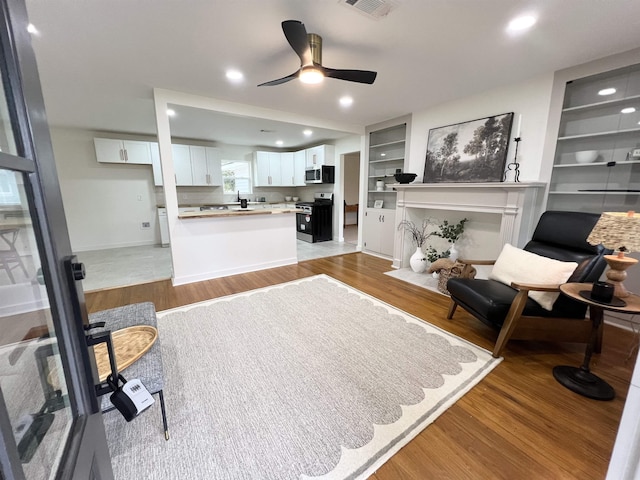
(213, 207)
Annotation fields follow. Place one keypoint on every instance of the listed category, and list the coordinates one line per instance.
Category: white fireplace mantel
(517, 204)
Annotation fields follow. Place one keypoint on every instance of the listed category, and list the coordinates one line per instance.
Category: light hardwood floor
(518, 423)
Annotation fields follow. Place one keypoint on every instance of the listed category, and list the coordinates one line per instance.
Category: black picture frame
(469, 152)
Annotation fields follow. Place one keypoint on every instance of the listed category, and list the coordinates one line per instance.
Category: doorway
(351, 195)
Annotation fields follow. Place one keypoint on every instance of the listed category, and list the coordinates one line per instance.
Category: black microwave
(321, 174)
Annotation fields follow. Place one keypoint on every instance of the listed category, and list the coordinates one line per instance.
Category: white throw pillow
(516, 265)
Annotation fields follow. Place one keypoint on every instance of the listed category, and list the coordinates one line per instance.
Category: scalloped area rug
(306, 379)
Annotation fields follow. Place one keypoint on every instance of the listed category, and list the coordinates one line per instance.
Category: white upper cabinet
(122, 151)
(299, 166)
(194, 165)
(268, 169)
(320, 155)
(287, 169)
(182, 164)
(214, 166)
(155, 163)
(261, 162)
(206, 168)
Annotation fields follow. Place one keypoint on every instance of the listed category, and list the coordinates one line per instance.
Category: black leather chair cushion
(558, 235)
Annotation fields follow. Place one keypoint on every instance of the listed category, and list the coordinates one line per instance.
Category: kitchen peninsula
(216, 243)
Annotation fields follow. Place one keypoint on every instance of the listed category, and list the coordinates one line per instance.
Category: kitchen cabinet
(110, 150)
(193, 165)
(379, 228)
(206, 168)
(299, 167)
(155, 164)
(182, 164)
(268, 170)
(597, 159)
(287, 169)
(320, 155)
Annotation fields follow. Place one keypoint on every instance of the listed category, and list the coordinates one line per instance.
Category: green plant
(449, 231)
(433, 255)
(418, 234)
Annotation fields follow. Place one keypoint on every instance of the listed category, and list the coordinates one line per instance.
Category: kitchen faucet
(238, 195)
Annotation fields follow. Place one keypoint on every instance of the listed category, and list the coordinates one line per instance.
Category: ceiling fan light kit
(311, 75)
(309, 49)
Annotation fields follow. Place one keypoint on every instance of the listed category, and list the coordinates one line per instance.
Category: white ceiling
(100, 60)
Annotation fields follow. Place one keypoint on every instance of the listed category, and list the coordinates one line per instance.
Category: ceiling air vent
(375, 9)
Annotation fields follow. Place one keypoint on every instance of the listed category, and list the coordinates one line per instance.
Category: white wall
(101, 200)
(531, 99)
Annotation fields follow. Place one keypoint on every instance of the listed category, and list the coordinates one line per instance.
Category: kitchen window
(236, 176)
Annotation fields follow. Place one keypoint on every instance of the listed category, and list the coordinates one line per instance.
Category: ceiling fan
(309, 49)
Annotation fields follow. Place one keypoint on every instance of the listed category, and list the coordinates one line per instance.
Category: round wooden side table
(580, 379)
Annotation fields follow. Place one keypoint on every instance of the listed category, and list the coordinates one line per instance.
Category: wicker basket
(447, 273)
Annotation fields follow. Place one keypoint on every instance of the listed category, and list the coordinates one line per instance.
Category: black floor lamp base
(583, 382)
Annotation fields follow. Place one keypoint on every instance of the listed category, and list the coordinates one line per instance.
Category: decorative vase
(418, 261)
(453, 252)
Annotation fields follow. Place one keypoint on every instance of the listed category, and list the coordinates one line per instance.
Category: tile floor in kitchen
(117, 267)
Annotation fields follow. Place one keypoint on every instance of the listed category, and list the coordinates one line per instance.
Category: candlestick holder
(515, 166)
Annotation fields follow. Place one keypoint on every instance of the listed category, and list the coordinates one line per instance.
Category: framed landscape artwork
(472, 152)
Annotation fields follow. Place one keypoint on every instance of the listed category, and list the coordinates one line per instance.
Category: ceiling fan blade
(296, 35)
(280, 80)
(360, 76)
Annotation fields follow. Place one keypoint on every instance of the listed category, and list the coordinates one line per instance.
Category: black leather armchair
(558, 235)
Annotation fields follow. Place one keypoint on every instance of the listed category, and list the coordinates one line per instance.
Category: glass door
(50, 423)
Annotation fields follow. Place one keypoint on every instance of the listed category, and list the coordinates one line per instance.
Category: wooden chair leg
(452, 309)
(510, 322)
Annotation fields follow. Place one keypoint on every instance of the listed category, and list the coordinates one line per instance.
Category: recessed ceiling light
(307, 132)
(628, 110)
(607, 91)
(31, 28)
(234, 75)
(171, 112)
(279, 142)
(383, 154)
(522, 23)
(346, 101)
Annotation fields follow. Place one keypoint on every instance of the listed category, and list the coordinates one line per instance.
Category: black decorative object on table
(515, 166)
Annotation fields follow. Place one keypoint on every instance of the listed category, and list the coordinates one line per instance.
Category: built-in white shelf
(388, 144)
(387, 160)
(594, 164)
(599, 134)
(606, 103)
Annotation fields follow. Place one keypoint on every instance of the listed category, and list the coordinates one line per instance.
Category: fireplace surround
(506, 212)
